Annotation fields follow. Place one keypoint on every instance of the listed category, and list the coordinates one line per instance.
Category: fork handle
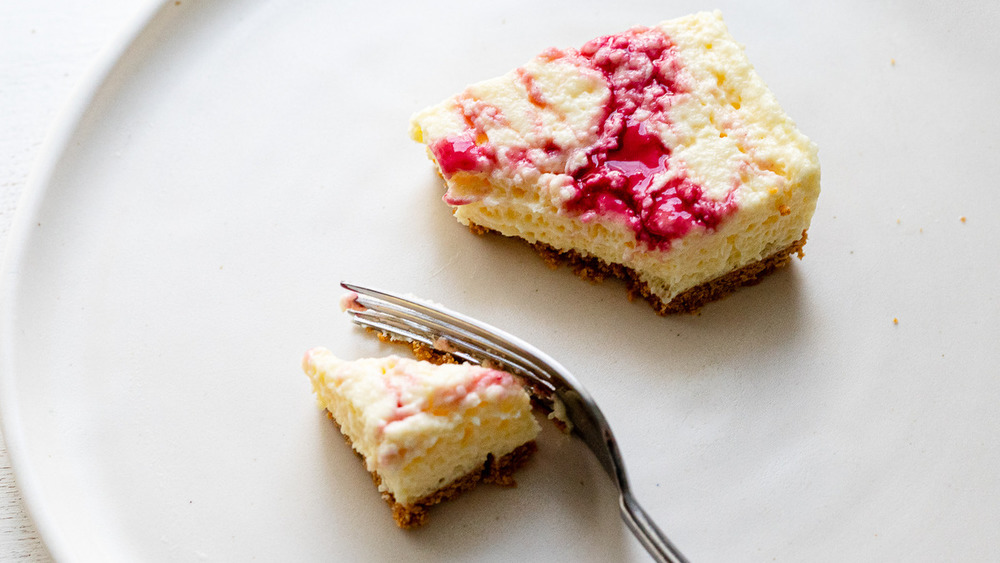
(647, 532)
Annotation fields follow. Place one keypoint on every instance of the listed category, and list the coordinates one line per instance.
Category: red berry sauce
(619, 177)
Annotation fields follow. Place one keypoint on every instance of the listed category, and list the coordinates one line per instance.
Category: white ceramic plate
(182, 244)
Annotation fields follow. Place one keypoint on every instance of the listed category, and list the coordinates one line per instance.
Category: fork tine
(398, 330)
(434, 334)
(427, 312)
(464, 349)
(407, 315)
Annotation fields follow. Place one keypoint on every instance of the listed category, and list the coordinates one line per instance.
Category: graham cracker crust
(689, 301)
(496, 471)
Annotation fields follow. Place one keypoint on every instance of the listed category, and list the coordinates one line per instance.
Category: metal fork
(409, 319)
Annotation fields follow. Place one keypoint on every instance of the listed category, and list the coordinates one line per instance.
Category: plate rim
(61, 131)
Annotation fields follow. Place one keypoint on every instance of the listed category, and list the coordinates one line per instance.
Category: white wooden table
(46, 47)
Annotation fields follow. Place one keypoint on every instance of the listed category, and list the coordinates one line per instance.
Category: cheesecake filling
(421, 426)
(626, 171)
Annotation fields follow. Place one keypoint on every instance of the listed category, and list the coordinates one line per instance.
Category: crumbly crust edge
(688, 301)
(493, 470)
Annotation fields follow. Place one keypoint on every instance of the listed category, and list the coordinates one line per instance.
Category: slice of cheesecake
(657, 155)
(426, 432)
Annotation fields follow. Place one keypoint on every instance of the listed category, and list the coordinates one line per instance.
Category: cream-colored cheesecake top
(667, 130)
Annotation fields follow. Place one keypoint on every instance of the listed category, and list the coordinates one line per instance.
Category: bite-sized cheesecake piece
(426, 432)
(657, 155)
